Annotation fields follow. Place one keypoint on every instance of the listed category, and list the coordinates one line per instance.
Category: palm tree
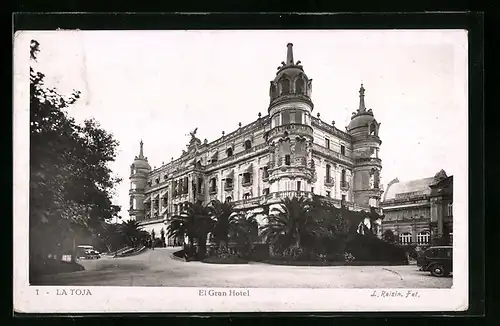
(132, 232)
(224, 217)
(193, 222)
(292, 224)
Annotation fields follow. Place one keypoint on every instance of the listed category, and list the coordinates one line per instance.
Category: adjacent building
(417, 211)
(287, 152)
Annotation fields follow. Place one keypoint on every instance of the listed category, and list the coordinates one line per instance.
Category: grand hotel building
(287, 152)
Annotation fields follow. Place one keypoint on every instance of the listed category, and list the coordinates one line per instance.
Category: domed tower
(291, 135)
(139, 171)
(367, 166)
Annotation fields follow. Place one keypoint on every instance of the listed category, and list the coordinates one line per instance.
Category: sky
(159, 85)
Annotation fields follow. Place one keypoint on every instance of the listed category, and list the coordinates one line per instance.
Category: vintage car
(438, 260)
(87, 252)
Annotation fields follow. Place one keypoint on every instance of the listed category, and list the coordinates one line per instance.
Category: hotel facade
(287, 152)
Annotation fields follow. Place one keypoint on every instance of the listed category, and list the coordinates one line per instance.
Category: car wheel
(438, 270)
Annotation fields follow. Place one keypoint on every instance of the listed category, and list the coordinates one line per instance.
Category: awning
(249, 168)
(229, 175)
(147, 200)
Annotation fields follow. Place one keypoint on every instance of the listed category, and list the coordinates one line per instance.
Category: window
(342, 149)
(285, 86)
(228, 199)
(246, 195)
(229, 184)
(265, 173)
(298, 185)
(298, 117)
(405, 238)
(285, 118)
(450, 209)
(327, 143)
(292, 116)
(265, 191)
(423, 237)
(328, 194)
(328, 175)
(213, 185)
(299, 86)
(229, 151)
(246, 178)
(343, 198)
(287, 159)
(248, 144)
(312, 190)
(133, 186)
(200, 185)
(276, 120)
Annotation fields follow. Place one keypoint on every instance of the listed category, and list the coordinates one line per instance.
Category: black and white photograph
(240, 170)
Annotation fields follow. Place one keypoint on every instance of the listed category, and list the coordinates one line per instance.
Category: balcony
(344, 185)
(332, 154)
(247, 183)
(329, 182)
(212, 191)
(292, 128)
(228, 187)
(237, 156)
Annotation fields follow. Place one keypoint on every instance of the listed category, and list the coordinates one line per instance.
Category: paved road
(157, 268)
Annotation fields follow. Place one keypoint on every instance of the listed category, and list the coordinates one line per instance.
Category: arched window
(229, 151)
(405, 238)
(423, 237)
(287, 159)
(272, 91)
(372, 129)
(228, 199)
(299, 86)
(285, 86)
(248, 144)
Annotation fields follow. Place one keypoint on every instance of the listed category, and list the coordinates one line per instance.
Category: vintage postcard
(240, 171)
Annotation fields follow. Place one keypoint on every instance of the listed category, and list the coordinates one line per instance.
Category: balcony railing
(331, 153)
(329, 181)
(344, 185)
(295, 128)
(247, 183)
(228, 187)
(237, 156)
(212, 191)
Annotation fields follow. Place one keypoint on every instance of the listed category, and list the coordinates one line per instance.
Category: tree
(132, 232)
(194, 223)
(292, 224)
(389, 236)
(70, 180)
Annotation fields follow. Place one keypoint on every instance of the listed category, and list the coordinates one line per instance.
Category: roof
(419, 187)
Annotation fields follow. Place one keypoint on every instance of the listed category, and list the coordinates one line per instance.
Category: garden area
(298, 231)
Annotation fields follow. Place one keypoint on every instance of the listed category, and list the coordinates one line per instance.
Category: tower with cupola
(139, 171)
(290, 135)
(364, 131)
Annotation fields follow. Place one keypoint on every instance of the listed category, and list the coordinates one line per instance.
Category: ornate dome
(363, 117)
(290, 78)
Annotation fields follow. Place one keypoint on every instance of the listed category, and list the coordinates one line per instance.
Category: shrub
(371, 248)
(228, 260)
(179, 254)
(260, 252)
